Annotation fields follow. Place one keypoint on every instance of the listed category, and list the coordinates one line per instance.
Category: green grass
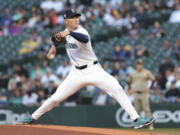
(167, 131)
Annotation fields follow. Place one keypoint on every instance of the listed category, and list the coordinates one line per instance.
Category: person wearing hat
(138, 81)
(85, 71)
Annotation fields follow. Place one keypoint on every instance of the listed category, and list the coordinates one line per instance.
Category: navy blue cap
(70, 13)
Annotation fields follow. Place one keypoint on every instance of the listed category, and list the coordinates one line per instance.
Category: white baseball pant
(76, 79)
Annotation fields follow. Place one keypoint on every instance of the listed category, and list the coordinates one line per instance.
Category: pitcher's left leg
(108, 83)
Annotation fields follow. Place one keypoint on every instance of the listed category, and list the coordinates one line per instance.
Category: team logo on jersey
(71, 45)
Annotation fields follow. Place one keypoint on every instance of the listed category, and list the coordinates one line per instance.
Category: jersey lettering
(71, 45)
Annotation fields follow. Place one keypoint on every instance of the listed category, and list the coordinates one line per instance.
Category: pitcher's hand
(52, 52)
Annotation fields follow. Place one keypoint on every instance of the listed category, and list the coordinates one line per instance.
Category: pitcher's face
(72, 23)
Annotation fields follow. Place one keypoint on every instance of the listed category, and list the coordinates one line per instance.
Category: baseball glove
(57, 39)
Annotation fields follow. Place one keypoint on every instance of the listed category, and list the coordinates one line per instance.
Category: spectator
(176, 50)
(118, 54)
(166, 65)
(41, 97)
(116, 69)
(38, 71)
(157, 97)
(147, 5)
(30, 99)
(119, 21)
(106, 68)
(175, 15)
(170, 78)
(54, 18)
(63, 70)
(28, 46)
(24, 80)
(160, 82)
(35, 37)
(18, 16)
(108, 18)
(49, 76)
(124, 71)
(51, 89)
(47, 21)
(135, 31)
(20, 70)
(141, 16)
(58, 6)
(31, 43)
(1, 32)
(140, 51)
(45, 47)
(4, 81)
(95, 21)
(72, 100)
(37, 85)
(47, 5)
(172, 94)
(170, 4)
(116, 3)
(5, 30)
(16, 98)
(33, 20)
(159, 5)
(6, 18)
(157, 31)
(177, 79)
(128, 51)
(101, 99)
(15, 29)
(167, 51)
(14, 81)
(25, 88)
(25, 18)
(3, 100)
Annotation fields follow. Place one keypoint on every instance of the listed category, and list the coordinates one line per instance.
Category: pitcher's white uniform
(82, 54)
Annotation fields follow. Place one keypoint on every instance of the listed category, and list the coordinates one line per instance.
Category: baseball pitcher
(85, 71)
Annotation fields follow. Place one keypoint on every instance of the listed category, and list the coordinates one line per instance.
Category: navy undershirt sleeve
(80, 37)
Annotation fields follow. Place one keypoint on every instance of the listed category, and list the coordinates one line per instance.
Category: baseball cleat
(27, 120)
(144, 122)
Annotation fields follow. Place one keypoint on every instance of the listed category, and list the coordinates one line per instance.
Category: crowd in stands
(30, 87)
(130, 16)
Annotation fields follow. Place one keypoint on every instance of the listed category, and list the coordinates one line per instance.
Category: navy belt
(85, 66)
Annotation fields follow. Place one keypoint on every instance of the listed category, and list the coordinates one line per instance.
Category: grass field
(168, 131)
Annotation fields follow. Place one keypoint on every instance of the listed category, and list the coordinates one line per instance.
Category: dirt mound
(64, 130)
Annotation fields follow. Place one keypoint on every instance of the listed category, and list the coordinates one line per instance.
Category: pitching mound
(64, 130)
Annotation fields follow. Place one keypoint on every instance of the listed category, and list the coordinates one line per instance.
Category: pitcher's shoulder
(82, 30)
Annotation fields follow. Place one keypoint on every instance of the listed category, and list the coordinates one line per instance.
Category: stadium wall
(168, 116)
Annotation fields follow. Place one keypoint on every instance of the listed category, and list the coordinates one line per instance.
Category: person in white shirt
(49, 76)
(63, 70)
(30, 99)
(175, 16)
(85, 71)
(47, 5)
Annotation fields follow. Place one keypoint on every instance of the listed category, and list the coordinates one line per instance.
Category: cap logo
(73, 11)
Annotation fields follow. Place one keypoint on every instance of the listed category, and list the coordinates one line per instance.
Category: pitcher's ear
(65, 21)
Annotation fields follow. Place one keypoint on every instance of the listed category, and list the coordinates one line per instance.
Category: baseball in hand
(52, 56)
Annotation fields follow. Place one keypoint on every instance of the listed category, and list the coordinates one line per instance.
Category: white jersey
(80, 53)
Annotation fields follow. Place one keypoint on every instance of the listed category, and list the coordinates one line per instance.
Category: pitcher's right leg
(69, 86)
